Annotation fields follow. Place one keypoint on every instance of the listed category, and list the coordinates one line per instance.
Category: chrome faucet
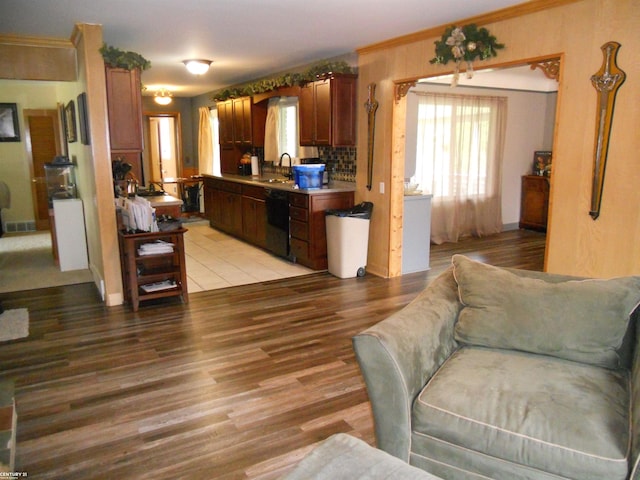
(290, 174)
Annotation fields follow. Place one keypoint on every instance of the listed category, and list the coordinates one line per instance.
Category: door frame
(60, 146)
(177, 121)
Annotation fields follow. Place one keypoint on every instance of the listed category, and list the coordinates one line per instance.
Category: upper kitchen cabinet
(124, 105)
(327, 111)
(241, 123)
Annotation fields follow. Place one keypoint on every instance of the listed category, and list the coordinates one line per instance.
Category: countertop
(163, 200)
(263, 181)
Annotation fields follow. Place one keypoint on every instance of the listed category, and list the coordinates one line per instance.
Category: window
(459, 160)
(455, 145)
(288, 126)
(281, 128)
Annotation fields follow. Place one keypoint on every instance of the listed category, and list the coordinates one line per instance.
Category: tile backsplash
(340, 161)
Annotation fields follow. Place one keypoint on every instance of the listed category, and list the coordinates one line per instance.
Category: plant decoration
(115, 57)
(283, 81)
(465, 44)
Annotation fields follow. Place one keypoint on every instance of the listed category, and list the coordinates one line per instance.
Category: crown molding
(484, 19)
(31, 41)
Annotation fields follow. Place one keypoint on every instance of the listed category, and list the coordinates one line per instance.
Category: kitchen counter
(289, 186)
(163, 201)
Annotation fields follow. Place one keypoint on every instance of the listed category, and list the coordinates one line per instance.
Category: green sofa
(509, 374)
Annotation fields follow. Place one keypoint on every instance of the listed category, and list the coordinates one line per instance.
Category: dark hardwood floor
(239, 383)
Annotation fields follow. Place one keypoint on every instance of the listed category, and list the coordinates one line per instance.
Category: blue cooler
(308, 176)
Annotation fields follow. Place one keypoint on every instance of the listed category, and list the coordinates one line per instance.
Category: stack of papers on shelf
(154, 287)
(155, 248)
(138, 214)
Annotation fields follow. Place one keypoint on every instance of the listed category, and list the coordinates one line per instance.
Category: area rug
(14, 324)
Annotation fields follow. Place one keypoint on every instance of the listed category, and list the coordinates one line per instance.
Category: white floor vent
(14, 227)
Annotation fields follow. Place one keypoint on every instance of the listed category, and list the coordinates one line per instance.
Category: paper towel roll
(255, 167)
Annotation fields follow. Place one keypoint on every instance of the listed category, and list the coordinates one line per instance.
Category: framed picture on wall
(83, 119)
(542, 163)
(70, 122)
(9, 126)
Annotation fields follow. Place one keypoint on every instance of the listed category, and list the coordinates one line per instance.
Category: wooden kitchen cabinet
(142, 273)
(254, 215)
(223, 205)
(124, 107)
(241, 123)
(534, 204)
(225, 122)
(308, 242)
(308, 238)
(327, 111)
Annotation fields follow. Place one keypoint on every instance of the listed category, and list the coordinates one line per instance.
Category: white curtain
(271, 132)
(459, 161)
(205, 142)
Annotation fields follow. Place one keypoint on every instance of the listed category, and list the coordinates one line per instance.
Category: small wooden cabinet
(327, 111)
(141, 274)
(534, 204)
(124, 107)
(308, 241)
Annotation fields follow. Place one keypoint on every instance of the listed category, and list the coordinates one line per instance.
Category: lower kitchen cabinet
(223, 205)
(153, 266)
(307, 225)
(254, 215)
(224, 199)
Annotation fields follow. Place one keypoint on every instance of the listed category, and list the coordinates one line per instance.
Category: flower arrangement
(465, 44)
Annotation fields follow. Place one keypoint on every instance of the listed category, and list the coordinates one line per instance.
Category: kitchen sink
(275, 180)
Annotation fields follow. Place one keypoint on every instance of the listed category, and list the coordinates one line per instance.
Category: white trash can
(348, 240)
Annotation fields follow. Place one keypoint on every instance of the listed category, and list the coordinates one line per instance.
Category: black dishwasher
(277, 202)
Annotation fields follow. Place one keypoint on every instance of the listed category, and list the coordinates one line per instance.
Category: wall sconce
(197, 66)
(163, 97)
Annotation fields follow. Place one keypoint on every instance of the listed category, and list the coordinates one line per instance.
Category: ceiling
(246, 39)
(521, 77)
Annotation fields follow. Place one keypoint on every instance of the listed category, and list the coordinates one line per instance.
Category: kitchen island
(251, 208)
(166, 205)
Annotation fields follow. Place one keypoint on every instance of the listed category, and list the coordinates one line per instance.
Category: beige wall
(575, 31)
(94, 166)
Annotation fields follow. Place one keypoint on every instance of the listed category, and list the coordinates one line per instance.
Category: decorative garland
(283, 81)
(117, 58)
(465, 44)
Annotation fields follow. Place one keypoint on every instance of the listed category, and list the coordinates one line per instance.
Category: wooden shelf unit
(139, 270)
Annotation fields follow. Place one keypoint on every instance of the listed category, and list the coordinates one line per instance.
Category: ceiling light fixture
(163, 97)
(197, 66)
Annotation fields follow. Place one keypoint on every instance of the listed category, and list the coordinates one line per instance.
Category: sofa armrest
(635, 401)
(399, 355)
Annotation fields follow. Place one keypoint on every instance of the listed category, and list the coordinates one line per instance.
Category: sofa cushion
(581, 320)
(343, 457)
(550, 414)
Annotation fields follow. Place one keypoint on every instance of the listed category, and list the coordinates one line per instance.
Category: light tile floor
(216, 260)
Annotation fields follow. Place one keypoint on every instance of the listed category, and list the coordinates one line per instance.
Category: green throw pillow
(581, 320)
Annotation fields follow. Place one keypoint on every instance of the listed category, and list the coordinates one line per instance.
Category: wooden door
(43, 143)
